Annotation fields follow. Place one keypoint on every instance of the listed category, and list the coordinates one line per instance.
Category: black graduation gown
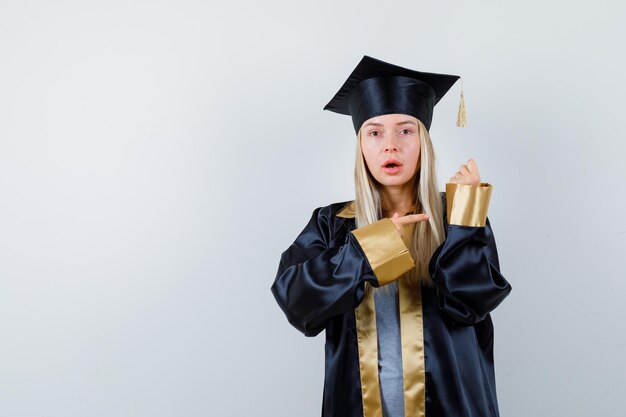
(320, 285)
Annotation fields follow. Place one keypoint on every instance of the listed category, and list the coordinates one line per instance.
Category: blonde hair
(428, 235)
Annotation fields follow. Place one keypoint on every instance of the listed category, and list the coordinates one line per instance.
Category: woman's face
(391, 148)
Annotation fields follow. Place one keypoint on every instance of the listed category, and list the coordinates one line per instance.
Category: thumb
(399, 226)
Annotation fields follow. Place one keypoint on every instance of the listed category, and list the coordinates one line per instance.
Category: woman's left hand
(467, 174)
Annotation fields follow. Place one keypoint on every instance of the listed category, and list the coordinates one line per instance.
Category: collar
(349, 210)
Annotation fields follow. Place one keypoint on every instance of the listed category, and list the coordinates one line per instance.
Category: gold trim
(412, 335)
(348, 211)
(385, 250)
(467, 204)
(368, 356)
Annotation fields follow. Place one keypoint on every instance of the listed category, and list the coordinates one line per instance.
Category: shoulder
(340, 209)
(332, 221)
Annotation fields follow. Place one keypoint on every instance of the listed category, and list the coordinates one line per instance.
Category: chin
(394, 181)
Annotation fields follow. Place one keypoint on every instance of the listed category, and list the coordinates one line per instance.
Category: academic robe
(446, 329)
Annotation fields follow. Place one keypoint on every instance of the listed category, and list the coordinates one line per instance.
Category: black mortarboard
(376, 87)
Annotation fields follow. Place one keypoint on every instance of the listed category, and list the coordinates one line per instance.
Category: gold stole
(412, 337)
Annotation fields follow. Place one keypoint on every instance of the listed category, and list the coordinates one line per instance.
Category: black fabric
(320, 281)
(376, 87)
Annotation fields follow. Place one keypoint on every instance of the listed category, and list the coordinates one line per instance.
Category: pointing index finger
(412, 218)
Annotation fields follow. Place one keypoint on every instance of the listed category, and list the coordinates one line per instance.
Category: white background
(157, 157)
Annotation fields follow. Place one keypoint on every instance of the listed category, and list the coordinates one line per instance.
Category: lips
(391, 166)
(391, 163)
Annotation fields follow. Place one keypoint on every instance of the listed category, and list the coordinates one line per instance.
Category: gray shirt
(389, 350)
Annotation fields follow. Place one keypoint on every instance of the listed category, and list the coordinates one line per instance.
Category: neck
(398, 198)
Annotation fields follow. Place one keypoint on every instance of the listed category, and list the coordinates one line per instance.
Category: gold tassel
(461, 116)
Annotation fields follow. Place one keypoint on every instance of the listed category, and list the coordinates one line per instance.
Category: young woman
(403, 278)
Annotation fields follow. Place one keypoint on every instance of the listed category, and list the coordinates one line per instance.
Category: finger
(413, 218)
(472, 166)
(397, 223)
(464, 170)
(455, 178)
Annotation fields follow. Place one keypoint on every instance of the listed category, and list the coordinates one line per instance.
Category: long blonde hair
(428, 235)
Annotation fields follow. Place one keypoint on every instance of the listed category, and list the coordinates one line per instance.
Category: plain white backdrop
(157, 157)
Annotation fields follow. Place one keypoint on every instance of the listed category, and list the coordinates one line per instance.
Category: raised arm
(465, 267)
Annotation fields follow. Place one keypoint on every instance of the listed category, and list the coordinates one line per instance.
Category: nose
(391, 143)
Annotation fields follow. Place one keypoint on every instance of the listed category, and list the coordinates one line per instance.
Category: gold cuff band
(385, 250)
(467, 204)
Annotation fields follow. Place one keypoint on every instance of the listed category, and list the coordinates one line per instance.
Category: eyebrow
(397, 124)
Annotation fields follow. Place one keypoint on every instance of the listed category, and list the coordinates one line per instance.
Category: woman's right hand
(401, 221)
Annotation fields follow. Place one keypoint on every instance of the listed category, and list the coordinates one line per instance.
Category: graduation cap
(376, 87)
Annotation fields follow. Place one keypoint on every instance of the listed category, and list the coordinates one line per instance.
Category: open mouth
(392, 163)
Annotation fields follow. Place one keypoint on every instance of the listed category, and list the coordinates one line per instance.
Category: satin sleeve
(318, 279)
(465, 267)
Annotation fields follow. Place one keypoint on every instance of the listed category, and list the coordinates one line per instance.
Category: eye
(374, 133)
(406, 131)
